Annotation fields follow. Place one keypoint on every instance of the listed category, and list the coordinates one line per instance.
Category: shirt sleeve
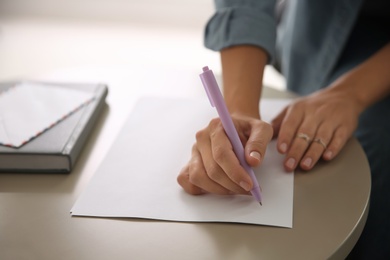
(237, 22)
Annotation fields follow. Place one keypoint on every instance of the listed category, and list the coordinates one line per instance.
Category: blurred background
(40, 36)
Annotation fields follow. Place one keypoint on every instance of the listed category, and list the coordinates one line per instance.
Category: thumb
(260, 135)
(277, 122)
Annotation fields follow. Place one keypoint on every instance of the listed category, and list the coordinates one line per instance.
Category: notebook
(44, 125)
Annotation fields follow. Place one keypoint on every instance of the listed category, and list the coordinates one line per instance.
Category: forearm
(369, 82)
(243, 68)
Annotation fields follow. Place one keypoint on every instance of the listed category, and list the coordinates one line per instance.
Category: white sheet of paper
(137, 179)
(27, 109)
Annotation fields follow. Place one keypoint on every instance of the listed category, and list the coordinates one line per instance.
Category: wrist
(349, 92)
(245, 111)
(242, 68)
(367, 83)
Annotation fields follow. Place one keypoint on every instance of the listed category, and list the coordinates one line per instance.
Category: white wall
(37, 36)
(173, 13)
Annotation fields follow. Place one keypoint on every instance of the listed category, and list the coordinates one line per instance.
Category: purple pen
(214, 94)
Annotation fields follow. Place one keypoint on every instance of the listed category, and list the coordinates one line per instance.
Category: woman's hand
(214, 168)
(320, 124)
(316, 126)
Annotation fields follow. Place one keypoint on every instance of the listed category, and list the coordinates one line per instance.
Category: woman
(336, 55)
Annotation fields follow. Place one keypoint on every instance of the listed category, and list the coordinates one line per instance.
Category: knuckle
(340, 136)
(288, 129)
(305, 130)
(259, 143)
(214, 173)
(341, 133)
(200, 135)
(296, 151)
(263, 127)
(181, 179)
(194, 148)
(183, 174)
(194, 167)
(235, 176)
(314, 152)
(219, 153)
(194, 179)
(335, 145)
(257, 123)
(184, 182)
(214, 122)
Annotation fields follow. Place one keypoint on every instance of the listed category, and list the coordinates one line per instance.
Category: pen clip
(206, 86)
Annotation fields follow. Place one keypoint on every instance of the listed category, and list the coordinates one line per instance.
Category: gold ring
(319, 140)
(304, 136)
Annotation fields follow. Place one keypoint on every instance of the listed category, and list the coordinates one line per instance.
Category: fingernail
(290, 163)
(245, 185)
(328, 154)
(307, 162)
(255, 155)
(283, 147)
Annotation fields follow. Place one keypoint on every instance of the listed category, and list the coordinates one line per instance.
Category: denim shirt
(307, 43)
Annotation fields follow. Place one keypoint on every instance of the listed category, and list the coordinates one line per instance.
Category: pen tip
(261, 204)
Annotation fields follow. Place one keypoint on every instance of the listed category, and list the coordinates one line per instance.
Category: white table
(330, 202)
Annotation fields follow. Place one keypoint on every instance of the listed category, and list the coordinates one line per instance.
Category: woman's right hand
(213, 166)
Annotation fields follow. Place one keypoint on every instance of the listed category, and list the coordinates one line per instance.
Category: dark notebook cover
(57, 149)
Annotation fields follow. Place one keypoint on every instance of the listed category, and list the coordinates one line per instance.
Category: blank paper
(137, 179)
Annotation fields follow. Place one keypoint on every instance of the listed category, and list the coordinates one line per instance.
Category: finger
(301, 143)
(340, 137)
(288, 129)
(317, 147)
(199, 177)
(184, 180)
(255, 148)
(277, 122)
(226, 169)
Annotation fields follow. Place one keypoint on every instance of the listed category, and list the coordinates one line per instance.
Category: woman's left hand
(315, 126)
